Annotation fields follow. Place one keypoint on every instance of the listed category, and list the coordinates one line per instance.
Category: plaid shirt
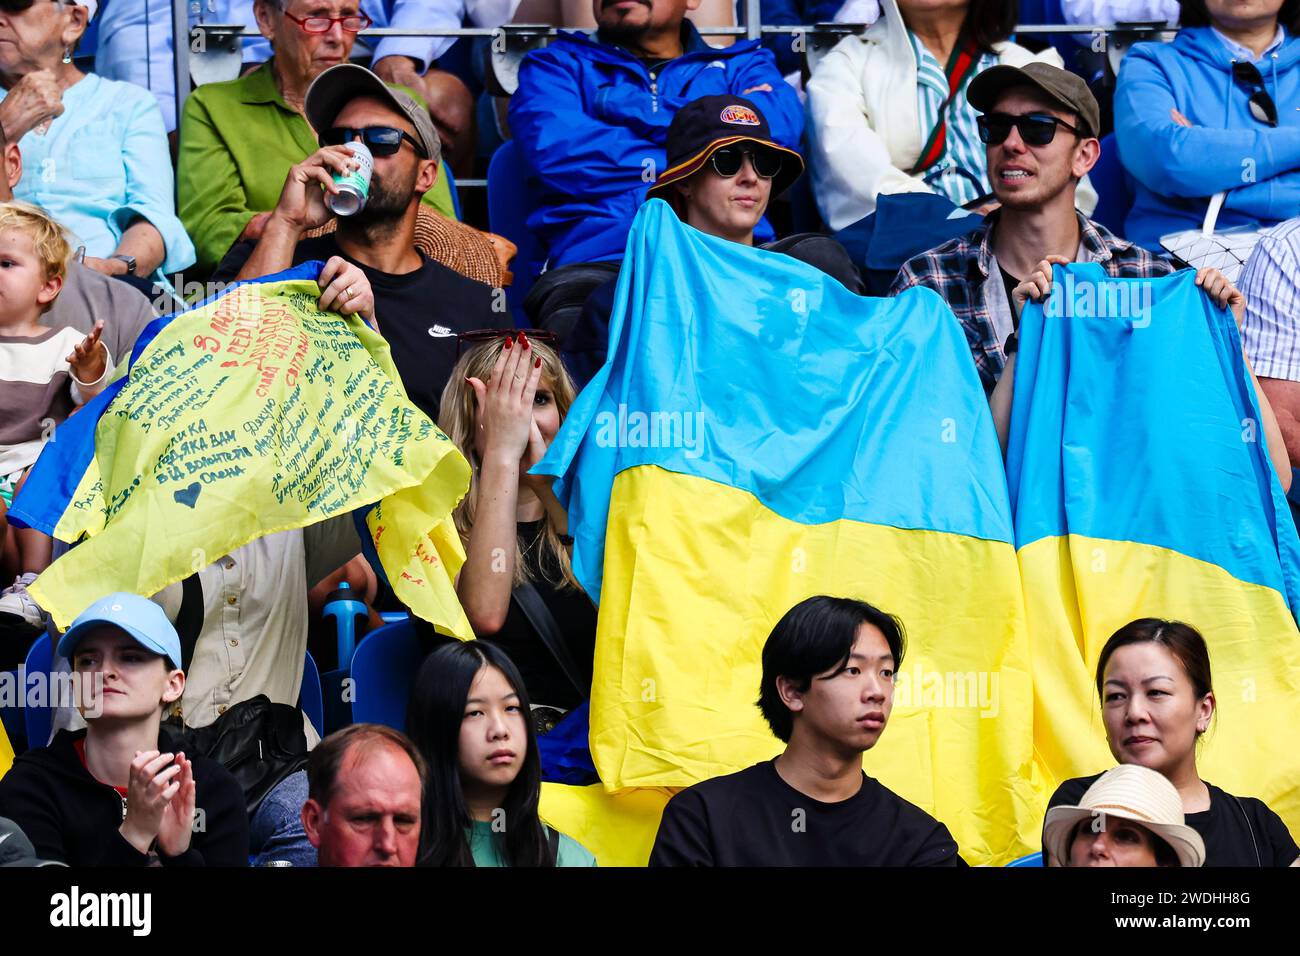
(964, 272)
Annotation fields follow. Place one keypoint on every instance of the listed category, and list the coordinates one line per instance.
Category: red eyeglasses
(352, 24)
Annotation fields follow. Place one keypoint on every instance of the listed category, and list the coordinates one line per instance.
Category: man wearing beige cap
(419, 304)
(1039, 127)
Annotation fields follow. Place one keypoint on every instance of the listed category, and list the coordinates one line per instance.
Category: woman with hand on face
(468, 717)
(1131, 816)
(502, 406)
(106, 795)
(1157, 699)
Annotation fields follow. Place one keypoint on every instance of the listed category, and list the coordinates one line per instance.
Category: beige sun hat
(1127, 792)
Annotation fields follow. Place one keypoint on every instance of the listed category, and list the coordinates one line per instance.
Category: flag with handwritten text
(252, 413)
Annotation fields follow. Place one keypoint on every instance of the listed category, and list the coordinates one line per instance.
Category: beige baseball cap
(341, 84)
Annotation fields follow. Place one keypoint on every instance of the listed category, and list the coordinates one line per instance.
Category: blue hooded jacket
(1178, 168)
(592, 122)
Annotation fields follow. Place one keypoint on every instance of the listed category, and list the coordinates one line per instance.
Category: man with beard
(420, 304)
(591, 117)
(1039, 127)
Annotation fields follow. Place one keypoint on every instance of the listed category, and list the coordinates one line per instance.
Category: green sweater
(237, 142)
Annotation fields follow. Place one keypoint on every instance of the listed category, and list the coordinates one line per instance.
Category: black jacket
(73, 818)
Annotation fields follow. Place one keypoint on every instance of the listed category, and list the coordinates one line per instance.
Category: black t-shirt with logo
(755, 818)
(1238, 831)
(418, 313)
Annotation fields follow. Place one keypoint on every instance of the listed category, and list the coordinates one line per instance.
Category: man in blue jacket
(591, 117)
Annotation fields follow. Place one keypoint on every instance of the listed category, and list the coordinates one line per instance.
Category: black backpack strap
(553, 841)
(189, 619)
(544, 623)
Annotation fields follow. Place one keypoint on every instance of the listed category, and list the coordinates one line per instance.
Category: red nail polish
(523, 339)
(509, 341)
(538, 363)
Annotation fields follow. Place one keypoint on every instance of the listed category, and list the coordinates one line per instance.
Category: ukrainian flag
(251, 413)
(758, 435)
(1142, 487)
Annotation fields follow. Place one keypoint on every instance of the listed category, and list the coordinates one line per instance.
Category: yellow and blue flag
(1142, 487)
(252, 413)
(758, 435)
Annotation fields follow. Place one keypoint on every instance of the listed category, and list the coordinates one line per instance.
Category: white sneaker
(17, 606)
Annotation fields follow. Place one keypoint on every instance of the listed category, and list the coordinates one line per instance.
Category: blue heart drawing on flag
(188, 496)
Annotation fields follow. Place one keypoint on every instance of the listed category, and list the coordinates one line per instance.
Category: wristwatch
(130, 263)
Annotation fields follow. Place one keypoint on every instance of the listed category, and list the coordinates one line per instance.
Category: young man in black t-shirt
(827, 689)
(420, 305)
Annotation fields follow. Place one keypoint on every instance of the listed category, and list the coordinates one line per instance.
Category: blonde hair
(49, 240)
(457, 418)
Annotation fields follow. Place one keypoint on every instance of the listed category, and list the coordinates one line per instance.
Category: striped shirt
(1270, 281)
(962, 147)
(37, 391)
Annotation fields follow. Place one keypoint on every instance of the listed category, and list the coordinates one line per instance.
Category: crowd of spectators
(106, 196)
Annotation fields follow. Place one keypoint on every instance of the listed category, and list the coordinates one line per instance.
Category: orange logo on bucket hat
(739, 115)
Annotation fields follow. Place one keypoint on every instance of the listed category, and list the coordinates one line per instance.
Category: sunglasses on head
(1036, 129)
(477, 337)
(728, 160)
(1261, 104)
(381, 140)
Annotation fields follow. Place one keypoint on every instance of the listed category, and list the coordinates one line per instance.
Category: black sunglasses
(1261, 104)
(1036, 129)
(381, 140)
(19, 6)
(728, 160)
(479, 336)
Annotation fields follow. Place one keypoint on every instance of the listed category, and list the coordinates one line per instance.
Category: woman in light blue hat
(107, 795)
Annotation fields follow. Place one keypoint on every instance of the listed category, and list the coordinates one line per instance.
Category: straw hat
(1126, 792)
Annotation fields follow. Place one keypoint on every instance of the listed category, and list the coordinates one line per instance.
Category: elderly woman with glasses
(238, 139)
(1213, 111)
(94, 149)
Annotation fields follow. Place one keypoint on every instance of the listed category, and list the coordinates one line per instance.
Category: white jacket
(864, 123)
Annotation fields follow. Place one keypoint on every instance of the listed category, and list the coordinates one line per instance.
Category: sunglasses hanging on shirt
(1261, 103)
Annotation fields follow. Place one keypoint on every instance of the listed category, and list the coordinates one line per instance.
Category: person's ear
(76, 26)
(1086, 155)
(313, 816)
(50, 290)
(790, 695)
(13, 168)
(693, 5)
(1204, 713)
(426, 176)
(683, 189)
(266, 13)
(175, 687)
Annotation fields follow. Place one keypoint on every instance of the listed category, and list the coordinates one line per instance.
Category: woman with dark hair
(826, 692)
(467, 717)
(1157, 699)
(880, 115)
(1213, 112)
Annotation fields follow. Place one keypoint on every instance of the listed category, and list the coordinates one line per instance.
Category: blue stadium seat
(310, 698)
(507, 195)
(1114, 189)
(39, 719)
(382, 670)
(1033, 859)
